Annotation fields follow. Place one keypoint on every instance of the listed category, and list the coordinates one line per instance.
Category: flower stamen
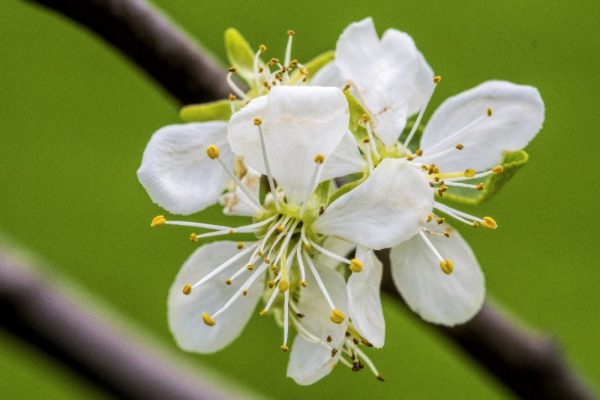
(437, 79)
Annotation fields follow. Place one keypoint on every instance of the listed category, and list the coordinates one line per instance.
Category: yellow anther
(245, 293)
(283, 285)
(263, 312)
(228, 282)
(187, 289)
(284, 348)
(250, 267)
(240, 245)
(329, 338)
(303, 71)
(440, 221)
(459, 146)
(447, 233)
(419, 152)
(480, 186)
(279, 228)
(194, 237)
(303, 284)
(208, 319)
(231, 69)
(262, 48)
(291, 32)
(469, 173)
(366, 140)
(488, 112)
(356, 265)
(271, 284)
(158, 221)
(336, 316)
(300, 315)
(319, 158)
(267, 260)
(257, 121)
(212, 152)
(346, 87)
(231, 97)
(489, 223)
(380, 378)
(307, 246)
(365, 118)
(437, 79)
(447, 266)
(498, 169)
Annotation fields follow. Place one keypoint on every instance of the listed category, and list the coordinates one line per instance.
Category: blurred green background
(76, 117)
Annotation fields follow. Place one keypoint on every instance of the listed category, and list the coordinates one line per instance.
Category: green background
(76, 117)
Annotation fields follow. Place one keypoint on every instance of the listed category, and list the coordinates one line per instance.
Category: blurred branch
(148, 39)
(33, 310)
(529, 365)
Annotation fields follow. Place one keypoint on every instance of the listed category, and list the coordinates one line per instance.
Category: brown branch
(529, 365)
(149, 40)
(33, 310)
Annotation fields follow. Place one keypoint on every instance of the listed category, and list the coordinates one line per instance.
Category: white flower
(465, 139)
(290, 136)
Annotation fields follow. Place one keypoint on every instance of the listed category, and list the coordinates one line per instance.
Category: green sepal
(346, 188)
(356, 114)
(512, 162)
(219, 110)
(240, 55)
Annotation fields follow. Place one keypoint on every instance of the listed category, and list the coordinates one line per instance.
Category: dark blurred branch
(148, 39)
(529, 365)
(33, 310)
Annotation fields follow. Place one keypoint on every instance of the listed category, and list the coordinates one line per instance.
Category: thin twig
(35, 311)
(149, 40)
(528, 364)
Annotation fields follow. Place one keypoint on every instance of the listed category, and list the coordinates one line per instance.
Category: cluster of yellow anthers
(271, 73)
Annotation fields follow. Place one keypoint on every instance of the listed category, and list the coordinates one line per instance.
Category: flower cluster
(322, 158)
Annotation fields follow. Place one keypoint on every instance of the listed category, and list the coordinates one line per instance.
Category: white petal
(298, 123)
(345, 160)
(518, 115)
(310, 361)
(185, 312)
(382, 73)
(423, 86)
(177, 173)
(316, 309)
(389, 207)
(236, 201)
(437, 297)
(337, 246)
(364, 299)
(329, 75)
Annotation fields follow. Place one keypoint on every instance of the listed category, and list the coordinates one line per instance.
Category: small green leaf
(240, 55)
(513, 161)
(219, 110)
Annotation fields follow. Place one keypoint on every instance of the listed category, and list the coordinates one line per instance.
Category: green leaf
(240, 55)
(219, 110)
(513, 161)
